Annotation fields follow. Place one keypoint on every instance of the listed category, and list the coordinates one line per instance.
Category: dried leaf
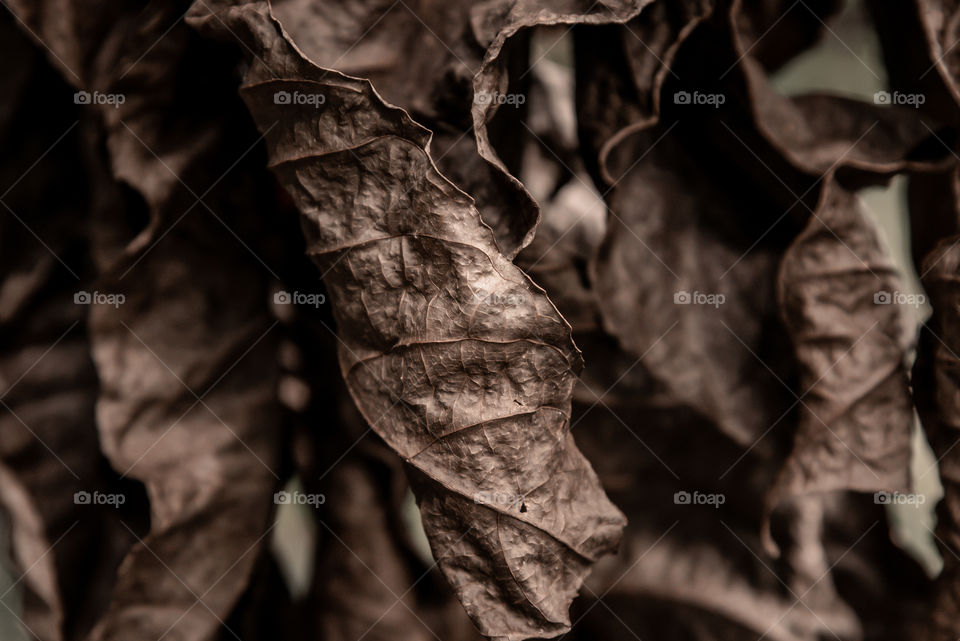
(935, 378)
(188, 375)
(65, 553)
(711, 333)
(470, 386)
(856, 416)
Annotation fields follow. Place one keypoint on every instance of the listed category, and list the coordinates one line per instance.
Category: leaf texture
(856, 418)
(470, 386)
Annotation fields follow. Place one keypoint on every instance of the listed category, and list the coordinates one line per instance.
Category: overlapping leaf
(856, 417)
(452, 355)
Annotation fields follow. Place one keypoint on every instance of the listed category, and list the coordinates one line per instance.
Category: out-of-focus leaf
(836, 289)
(451, 354)
(935, 214)
(186, 365)
(688, 570)
(785, 144)
(158, 87)
(188, 373)
(711, 332)
(775, 31)
(936, 383)
(574, 214)
(918, 40)
(671, 237)
(681, 574)
(817, 132)
(65, 553)
(621, 70)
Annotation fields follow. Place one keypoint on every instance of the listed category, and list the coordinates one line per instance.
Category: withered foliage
(385, 247)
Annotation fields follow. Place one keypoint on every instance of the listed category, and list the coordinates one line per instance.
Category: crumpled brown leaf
(785, 147)
(431, 80)
(495, 24)
(855, 417)
(459, 362)
(454, 356)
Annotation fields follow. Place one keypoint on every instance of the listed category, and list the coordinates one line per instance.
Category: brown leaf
(935, 378)
(704, 275)
(431, 79)
(65, 552)
(819, 132)
(188, 382)
(165, 103)
(621, 71)
(835, 287)
(451, 354)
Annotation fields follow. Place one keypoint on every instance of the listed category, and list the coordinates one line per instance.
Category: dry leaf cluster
(622, 326)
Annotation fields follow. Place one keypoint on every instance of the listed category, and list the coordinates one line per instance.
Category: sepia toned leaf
(351, 248)
(855, 416)
(452, 355)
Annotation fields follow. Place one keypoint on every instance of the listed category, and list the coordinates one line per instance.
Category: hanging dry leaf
(835, 288)
(452, 355)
